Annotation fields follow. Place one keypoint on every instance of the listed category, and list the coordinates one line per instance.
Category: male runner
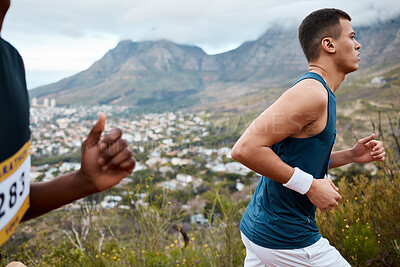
(290, 144)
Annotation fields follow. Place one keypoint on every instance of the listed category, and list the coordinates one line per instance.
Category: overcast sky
(58, 39)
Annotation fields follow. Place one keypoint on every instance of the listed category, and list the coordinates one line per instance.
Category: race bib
(14, 191)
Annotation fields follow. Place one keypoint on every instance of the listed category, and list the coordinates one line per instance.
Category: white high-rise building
(52, 103)
(46, 103)
(34, 102)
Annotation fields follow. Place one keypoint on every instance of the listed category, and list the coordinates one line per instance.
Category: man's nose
(358, 45)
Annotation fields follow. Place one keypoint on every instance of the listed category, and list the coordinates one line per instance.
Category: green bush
(365, 228)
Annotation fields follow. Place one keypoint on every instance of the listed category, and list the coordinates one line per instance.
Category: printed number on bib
(14, 191)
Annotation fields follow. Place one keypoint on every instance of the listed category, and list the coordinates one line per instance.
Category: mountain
(162, 75)
(135, 73)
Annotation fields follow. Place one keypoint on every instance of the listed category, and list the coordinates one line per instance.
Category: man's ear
(328, 45)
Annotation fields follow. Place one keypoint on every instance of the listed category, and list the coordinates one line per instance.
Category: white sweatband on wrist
(300, 181)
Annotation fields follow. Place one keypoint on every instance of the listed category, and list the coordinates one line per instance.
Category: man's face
(347, 48)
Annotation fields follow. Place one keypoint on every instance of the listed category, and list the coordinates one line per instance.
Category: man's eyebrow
(353, 33)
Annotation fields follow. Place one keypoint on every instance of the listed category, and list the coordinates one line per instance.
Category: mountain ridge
(162, 75)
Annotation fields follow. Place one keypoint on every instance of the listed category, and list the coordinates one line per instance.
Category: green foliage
(366, 226)
(225, 232)
(360, 243)
(149, 235)
(37, 161)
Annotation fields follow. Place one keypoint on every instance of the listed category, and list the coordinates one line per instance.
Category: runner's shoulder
(310, 92)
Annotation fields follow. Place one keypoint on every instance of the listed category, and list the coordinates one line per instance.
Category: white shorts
(319, 254)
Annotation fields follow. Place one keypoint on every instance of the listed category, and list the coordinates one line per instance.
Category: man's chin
(352, 69)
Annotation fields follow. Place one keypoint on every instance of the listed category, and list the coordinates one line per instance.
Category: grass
(147, 235)
(156, 231)
(365, 228)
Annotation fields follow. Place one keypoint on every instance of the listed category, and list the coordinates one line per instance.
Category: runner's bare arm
(293, 114)
(365, 150)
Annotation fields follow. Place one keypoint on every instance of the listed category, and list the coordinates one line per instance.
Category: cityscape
(169, 147)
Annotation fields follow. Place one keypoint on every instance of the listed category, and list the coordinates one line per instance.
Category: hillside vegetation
(365, 228)
(151, 227)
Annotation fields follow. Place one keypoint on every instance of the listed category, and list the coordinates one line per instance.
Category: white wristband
(300, 181)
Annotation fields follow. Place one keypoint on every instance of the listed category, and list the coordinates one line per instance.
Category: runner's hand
(368, 149)
(105, 162)
(323, 194)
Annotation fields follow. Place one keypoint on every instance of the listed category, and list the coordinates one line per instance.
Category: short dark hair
(318, 25)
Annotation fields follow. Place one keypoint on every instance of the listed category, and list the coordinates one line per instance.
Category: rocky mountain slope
(161, 75)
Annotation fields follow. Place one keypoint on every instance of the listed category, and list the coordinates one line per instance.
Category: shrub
(365, 227)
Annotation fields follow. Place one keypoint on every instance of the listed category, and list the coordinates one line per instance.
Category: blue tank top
(280, 218)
